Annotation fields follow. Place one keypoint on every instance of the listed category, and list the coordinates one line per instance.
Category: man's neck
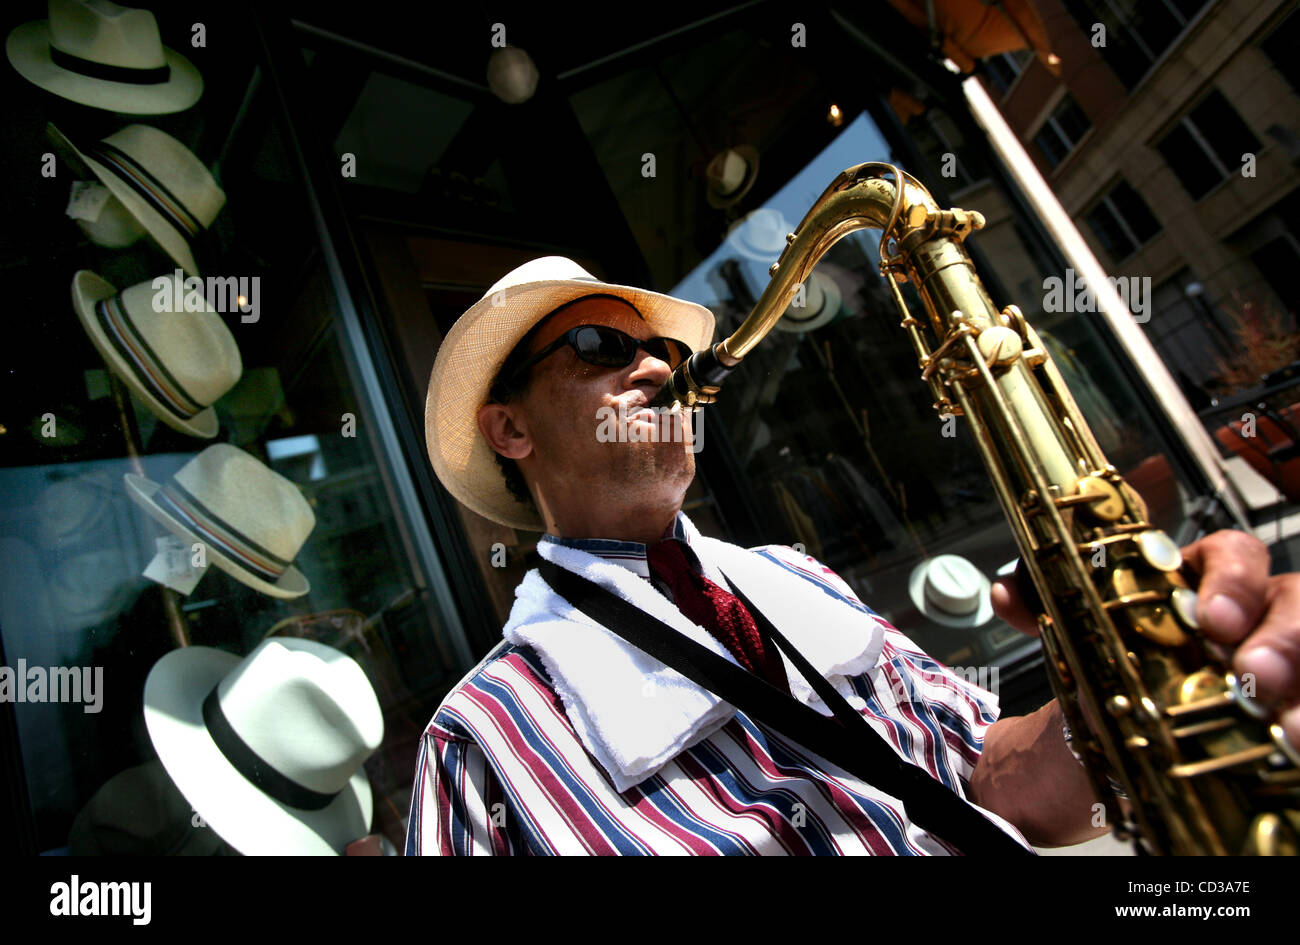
(646, 526)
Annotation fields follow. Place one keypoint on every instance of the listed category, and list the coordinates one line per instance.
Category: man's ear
(502, 425)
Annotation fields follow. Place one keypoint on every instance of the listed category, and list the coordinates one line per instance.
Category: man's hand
(1240, 606)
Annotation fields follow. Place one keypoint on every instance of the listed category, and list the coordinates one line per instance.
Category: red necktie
(717, 611)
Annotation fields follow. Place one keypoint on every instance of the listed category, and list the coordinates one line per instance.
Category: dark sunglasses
(608, 347)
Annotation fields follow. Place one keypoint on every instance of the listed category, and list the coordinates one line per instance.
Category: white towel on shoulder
(632, 712)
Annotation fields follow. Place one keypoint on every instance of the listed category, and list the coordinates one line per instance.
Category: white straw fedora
(478, 344)
(252, 520)
(822, 301)
(160, 182)
(268, 749)
(178, 362)
(760, 236)
(950, 590)
(105, 56)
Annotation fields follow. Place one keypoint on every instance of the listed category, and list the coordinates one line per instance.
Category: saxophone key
(1270, 835)
(1248, 756)
(1159, 550)
(1282, 742)
(1183, 600)
(1248, 703)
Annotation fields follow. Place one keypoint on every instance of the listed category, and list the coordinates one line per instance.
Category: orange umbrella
(972, 29)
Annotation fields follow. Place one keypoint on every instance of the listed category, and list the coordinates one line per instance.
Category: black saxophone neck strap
(854, 745)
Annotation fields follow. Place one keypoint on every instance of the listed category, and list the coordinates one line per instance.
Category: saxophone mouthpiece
(701, 374)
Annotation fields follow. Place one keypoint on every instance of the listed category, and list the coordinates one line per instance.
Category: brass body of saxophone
(1204, 767)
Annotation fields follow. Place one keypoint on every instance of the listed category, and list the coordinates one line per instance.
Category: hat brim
(976, 618)
(163, 233)
(741, 228)
(293, 583)
(28, 49)
(249, 820)
(87, 290)
(472, 354)
(722, 201)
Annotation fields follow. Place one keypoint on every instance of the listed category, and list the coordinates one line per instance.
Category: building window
(1004, 68)
(1137, 34)
(1122, 221)
(1280, 47)
(1207, 144)
(1064, 129)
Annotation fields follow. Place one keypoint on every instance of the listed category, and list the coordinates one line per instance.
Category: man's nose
(647, 369)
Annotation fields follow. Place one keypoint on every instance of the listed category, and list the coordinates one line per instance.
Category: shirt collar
(630, 554)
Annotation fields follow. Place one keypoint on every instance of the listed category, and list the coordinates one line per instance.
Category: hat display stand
(176, 623)
(94, 559)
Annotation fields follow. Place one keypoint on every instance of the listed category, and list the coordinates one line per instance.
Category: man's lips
(635, 407)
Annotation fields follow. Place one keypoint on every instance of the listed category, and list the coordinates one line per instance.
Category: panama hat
(178, 362)
(822, 301)
(159, 182)
(269, 749)
(759, 236)
(478, 344)
(730, 174)
(252, 519)
(105, 56)
(950, 590)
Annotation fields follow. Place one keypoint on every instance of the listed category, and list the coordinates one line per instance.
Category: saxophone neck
(919, 241)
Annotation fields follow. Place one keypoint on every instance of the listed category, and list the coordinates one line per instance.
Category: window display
(195, 525)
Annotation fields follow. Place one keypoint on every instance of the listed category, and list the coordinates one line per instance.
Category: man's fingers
(1010, 606)
(1234, 583)
(1272, 652)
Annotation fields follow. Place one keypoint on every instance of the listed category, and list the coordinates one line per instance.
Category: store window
(190, 471)
(1207, 145)
(1064, 129)
(1137, 32)
(1122, 221)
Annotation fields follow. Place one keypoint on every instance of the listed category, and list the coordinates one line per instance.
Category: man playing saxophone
(565, 739)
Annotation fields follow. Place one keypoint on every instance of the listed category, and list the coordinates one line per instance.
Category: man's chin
(655, 462)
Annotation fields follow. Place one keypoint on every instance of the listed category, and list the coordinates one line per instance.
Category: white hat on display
(251, 519)
(269, 749)
(154, 179)
(106, 56)
(179, 362)
(952, 591)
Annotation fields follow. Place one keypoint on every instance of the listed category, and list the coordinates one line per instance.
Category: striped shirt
(501, 770)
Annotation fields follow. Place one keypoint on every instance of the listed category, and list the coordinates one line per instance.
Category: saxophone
(1205, 767)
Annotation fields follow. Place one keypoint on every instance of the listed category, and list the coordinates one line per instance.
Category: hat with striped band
(179, 363)
(252, 520)
(160, 182)
(106, 56)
